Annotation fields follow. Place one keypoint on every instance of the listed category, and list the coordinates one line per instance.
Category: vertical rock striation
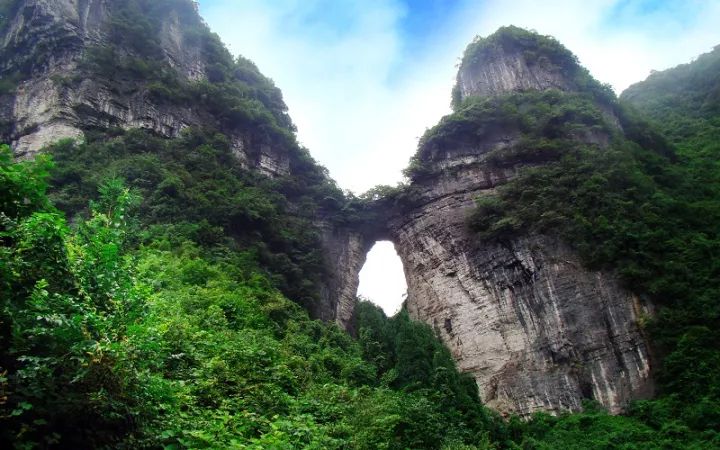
(536, 329)
(505, 70)
(46, 43)
(345, 254)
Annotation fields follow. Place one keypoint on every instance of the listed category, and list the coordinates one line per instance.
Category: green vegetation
(107, 344)
(234, 93)
(194, 187)
(132, 328)
(154, 293)
(545, 122)
(684, 102)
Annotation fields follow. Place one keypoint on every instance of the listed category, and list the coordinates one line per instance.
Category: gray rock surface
(537, 330)
(48, 106)
(506, 71)
(345, 254)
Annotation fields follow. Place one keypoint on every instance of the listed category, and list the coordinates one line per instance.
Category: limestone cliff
(61, 52)
(537, 330)
(509, 63)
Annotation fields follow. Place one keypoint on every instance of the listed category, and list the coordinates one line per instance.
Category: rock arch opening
(382, 278)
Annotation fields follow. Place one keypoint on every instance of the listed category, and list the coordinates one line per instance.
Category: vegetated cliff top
(516, 59)
(164, 105)
(525, 89)
(150, 57)
(512, 39)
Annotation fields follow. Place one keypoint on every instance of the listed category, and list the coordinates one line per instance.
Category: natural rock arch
(537, 330)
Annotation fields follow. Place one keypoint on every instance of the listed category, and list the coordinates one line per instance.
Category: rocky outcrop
(515, 60)
(505, 71)
(47, 40)
(345, 254)
(536, 329)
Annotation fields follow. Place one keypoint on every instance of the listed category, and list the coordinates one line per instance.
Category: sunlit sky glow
(364, 79)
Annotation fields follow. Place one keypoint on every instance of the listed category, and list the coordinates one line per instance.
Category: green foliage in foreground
(171, 345)
(194, 188)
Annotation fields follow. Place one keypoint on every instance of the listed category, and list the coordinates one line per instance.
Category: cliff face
(345, 251)
(48, 44)
(537, 330)
(505, 70)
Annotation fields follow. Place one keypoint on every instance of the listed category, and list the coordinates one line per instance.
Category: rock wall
(345, 254)
(536, 329)
(48, 39)
(506, 71)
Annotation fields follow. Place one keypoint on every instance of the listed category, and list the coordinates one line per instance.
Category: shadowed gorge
(179, 272)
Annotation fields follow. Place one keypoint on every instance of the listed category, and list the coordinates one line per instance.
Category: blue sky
(364, 78)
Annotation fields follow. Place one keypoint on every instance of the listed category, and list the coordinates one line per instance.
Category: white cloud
(360, 102)
(363, 127)
(337, 88)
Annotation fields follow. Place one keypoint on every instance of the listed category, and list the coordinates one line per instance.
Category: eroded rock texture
(537, 330)
(45, 45)
(504, 71)
(345, 254)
